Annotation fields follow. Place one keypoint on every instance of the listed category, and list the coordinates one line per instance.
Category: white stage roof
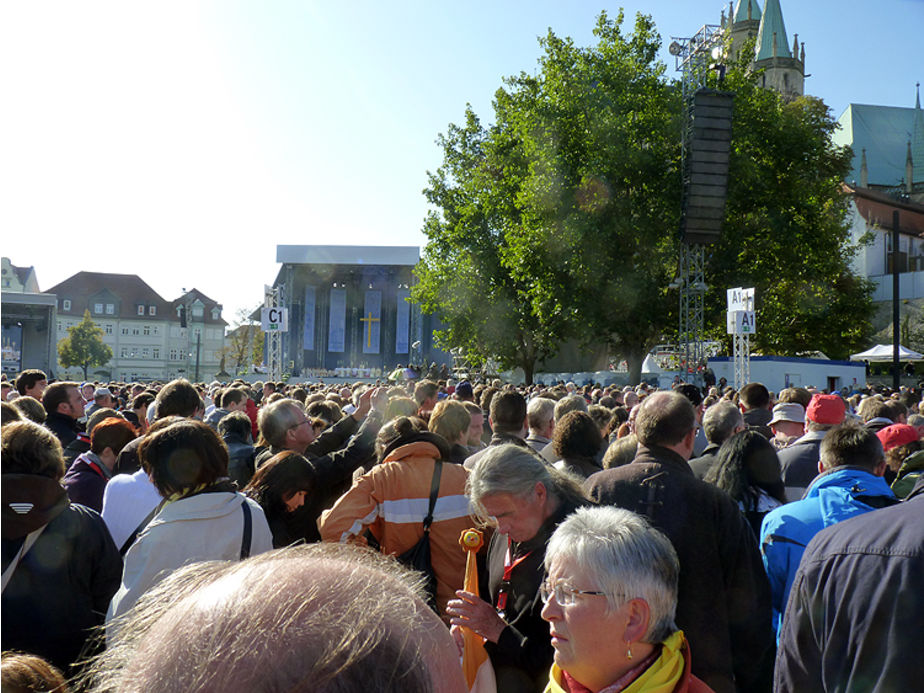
(403, 255)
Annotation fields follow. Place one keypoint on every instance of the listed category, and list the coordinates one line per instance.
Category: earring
(628, 650)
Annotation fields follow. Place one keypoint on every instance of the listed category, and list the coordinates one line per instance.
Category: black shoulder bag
(418, 556)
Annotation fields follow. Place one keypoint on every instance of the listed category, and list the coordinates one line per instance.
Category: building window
(145, 352)
(60, 326)
(124, 330)
(197, 310)
(147, 330)
(110, 309)
(155, 352)
(135, 331)
(140, 310)
(215, 313)
(173, 355)
(152, 310)
(156, 330)
(98, 308)
(108, 329)
(66, 304)
(124, 352)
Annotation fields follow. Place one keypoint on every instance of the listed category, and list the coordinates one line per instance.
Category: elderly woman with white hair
(610, 597)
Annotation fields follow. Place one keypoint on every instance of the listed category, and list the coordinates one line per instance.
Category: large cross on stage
(369, 319)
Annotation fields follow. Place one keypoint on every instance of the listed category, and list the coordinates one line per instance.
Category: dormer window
(66, 304)
(215, 313)
(197, 310)
(140, 310)
(152, 310)
(98, 308)
(110, 309)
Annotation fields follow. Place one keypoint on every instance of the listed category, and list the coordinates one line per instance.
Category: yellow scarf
(661, 677)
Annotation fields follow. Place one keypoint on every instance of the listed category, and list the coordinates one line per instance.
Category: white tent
(883, 352)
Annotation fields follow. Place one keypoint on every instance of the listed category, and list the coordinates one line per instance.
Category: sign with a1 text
(275, 319)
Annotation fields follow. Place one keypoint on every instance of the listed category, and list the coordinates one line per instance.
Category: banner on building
(308, 333)
(337, 330)
(403, 324)
(372, 322)
(12, 348)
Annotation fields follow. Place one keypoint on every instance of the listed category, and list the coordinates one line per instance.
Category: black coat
(62, 587)
(702, 464)
(64, 427)
(856, 608)
(723, 603)
(522, 656)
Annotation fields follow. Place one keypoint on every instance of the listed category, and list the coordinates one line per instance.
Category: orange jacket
(391, 501)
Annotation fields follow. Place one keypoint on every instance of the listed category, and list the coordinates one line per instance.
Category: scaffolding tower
(273, 298)
(695, 57)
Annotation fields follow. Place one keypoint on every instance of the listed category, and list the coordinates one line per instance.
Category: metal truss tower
(694, 57)
(274, 299)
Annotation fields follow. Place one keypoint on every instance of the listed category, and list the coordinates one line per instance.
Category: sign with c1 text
(275, 319)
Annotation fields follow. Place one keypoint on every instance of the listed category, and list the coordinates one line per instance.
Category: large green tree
(560, 220)
(84, 346)
(786, 229)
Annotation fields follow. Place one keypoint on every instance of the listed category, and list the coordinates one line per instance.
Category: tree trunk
(529, 368)
(635, 361)
(85, 366)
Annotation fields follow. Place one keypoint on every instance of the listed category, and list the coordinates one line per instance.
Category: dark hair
(327, 410)
(747, 462)
(236, 422)
(56, 395)
(576, 435)
(508, 411)
(178, 398)
(754, 396)
(691, 392)
(113, 433)
(853, 445)
(142, 399)
(29, 378)
(404, 427)
(232, 395)
(182, 456)
(277, 480)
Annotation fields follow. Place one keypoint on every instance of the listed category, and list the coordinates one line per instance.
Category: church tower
(783, 66)
(744, 24)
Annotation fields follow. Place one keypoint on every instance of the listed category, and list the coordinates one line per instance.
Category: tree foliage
(560, 220)
(244, 344)
(786, 230)
(84, 346)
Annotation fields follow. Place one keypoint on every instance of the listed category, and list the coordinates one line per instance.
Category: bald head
(321, 617)
(664, 419)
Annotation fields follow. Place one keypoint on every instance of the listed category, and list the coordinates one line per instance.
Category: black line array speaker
(705, 182)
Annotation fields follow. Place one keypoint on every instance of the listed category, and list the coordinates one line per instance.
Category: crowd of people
(306, 536)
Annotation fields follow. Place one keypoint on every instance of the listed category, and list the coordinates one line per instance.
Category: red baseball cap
(897, 435)
(826, 409)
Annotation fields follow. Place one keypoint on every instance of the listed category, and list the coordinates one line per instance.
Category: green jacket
(908, 474)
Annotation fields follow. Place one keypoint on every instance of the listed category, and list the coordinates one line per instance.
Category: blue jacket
(833, 496)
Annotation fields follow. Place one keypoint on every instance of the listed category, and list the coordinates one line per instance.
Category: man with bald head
(321, 618)
(723, 603)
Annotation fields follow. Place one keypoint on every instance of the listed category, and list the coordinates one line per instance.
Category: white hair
(626, 557)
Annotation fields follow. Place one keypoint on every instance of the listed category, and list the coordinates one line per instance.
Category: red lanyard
(505, 580)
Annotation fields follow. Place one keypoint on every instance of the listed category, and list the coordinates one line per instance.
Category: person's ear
(637, 620)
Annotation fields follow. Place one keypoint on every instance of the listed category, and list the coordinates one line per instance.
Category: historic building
(782, 67)
(349, 308)
(151, 338)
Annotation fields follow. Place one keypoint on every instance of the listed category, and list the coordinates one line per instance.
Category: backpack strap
(434, 492)
(30, 539)
(248, 530)
(139, 529)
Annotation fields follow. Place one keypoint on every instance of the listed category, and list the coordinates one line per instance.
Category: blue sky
(182, 141)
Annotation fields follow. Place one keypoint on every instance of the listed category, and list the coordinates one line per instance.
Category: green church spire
(745, 10)
(771, 39)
